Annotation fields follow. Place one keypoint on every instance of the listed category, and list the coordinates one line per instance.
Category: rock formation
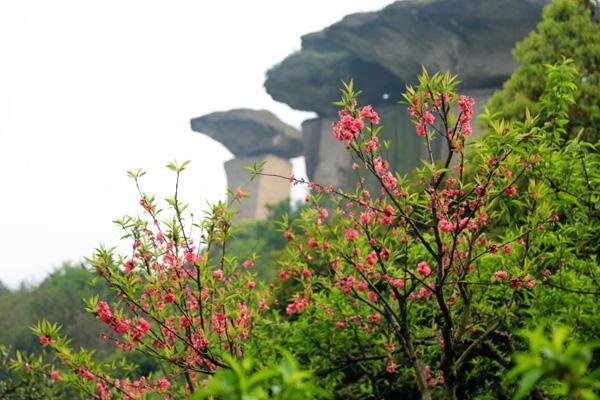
(383, 52)
(254, 136)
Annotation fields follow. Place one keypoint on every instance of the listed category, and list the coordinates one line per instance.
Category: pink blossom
(190, 257)
(352, 124)
(391, 367)
(170, 297)
(465, 104)
(86, 373)
(350, 234)
(163, 383)
(365, 218)
(54, 375)
(361, 286)
(288, 235)
(147, 206)
(299, 305)
(184, 322)
(372, 144)
(374, 318)
(389, 181)
(384, 253)
(428, 118)
(283, 275)
(140, 329)
(511, 190)
(372, 296)
(248, 264)
(130, 265)
(530, 284)
(218, 274)
(398, 283)
(501, 275)
(262, 306)
(371, 258)
(423, 269)
(347, 128)
(380, 165)
(515, 283)
(506, 248)
(441, 380)
(368, 113)
(143, 325)
(103, 311)
(45, 340)
(121, 326)
(445, 226)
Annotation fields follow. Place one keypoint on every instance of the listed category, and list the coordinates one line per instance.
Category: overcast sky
(92, 88)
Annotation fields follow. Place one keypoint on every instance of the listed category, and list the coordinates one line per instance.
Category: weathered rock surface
(383, 51)
(328, 162)
(248, 132)
(263, 190)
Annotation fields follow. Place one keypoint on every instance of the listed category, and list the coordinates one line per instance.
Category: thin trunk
(450, 383)
(422, 379)
(406, 340)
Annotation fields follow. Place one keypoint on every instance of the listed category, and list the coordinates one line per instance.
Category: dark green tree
(569, 29)
(59, 298)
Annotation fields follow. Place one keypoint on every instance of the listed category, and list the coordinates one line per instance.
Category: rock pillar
(254, 136)
(263, 190)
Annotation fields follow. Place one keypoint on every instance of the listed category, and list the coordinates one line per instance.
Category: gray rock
(248, 132)
(383, 51)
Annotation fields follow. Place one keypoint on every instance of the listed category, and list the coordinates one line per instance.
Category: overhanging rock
(254, 136)
(383, 52)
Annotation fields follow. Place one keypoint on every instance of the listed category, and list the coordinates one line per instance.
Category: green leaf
(528, 382)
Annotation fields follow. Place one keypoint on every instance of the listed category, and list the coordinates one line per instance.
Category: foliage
(284, 381)
(26, 378)
(369, 288)
(57, 298)
(564, 364)
(409, 289)
(183, 303)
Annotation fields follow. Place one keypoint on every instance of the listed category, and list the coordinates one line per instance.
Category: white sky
(92, 88)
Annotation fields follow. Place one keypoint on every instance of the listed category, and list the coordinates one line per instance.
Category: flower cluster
(175, 302)
(426, 252)
(351, 123)
(465, 103)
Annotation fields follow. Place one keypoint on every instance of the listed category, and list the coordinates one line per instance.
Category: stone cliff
(383, 52)
(254, 136)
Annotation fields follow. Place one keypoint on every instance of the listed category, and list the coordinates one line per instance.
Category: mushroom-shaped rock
(249, 133)
(383, 51)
